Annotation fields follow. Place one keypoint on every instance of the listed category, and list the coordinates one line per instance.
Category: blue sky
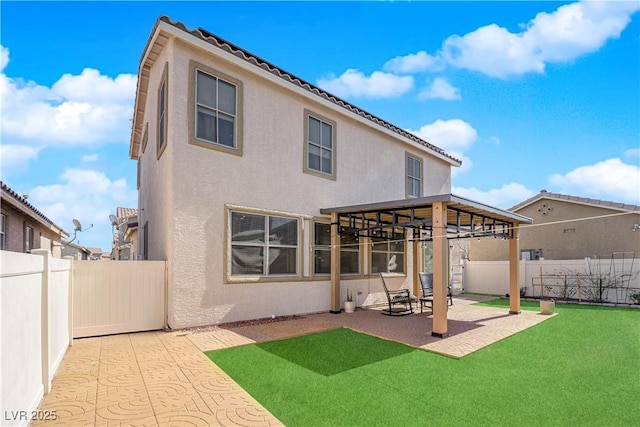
(530, 95)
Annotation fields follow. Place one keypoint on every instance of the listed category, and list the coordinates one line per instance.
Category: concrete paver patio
(165, 379)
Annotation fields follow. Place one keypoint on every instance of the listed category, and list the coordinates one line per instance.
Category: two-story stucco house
(237, 157)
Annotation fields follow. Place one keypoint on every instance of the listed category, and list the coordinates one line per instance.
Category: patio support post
(335, 264)
(416, 267)
(514, 273)
(440, 270)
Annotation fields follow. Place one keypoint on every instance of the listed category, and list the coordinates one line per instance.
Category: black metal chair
(400, 301)
(426, 283)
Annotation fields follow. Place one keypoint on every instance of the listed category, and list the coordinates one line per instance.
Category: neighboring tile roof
(237, 51)
(6, 189)
(544, 194)
(126, 212)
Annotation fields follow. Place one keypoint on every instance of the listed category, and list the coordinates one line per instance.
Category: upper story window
(263, 245)
(163, 98)
(28, 238)
(414, 176)
(319, 146)
(215, 110)
(3, 232)
(349, 251)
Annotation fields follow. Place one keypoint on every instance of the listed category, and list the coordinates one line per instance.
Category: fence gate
(117, 297)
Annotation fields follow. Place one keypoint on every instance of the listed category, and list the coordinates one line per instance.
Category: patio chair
(400, 301)
(426, 283)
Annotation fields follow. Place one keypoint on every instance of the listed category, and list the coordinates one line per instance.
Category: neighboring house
(236, 158)
(125, 239)
(569, 227)
(24, 228)
(79, 252)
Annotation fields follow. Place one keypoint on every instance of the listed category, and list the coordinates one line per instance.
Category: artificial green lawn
(581, 367)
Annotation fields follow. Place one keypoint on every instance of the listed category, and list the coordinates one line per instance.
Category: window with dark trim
(163, 101)
(319, 145)
(387, 256)
(28, 238)
(145, 136)
(3, 232)
(145, 240)
(349, 251)
(263, 245)
(215, 109)
(414, 176)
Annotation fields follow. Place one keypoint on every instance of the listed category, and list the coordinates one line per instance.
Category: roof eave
(251, 63)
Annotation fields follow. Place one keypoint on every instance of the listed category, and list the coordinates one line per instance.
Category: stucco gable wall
(606, 231)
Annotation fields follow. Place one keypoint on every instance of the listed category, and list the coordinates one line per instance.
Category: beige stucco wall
(184, 195)
(566, 240)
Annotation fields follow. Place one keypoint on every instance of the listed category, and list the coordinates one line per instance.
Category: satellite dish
(77, 224)
(113, 219)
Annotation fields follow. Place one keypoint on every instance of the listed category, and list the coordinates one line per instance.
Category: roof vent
(543, 191)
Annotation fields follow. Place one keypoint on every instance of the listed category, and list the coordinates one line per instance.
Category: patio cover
(436, 218)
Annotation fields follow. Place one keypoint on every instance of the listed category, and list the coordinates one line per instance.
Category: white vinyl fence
(45, 302)
(118, 297)
(34, 329)
(610, 280)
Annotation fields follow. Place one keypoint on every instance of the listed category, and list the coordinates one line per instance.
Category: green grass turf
(580, 368)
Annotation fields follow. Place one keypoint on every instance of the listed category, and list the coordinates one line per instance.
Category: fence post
(44, 318)
(70, 317)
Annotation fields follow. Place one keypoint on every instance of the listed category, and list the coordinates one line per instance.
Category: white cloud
(354, 84)
(505, 197)
(440, 88)
(87, 195)
(86, 109)
(16, 156)
(413, 63)
(450, 135)
(89, 158)
(563, 35)
(610, 179)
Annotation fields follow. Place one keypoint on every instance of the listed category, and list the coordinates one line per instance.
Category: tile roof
(255, 60)
(36, 213)
(544, 194)
(126, 212)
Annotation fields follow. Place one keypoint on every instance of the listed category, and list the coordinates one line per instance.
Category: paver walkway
(470, 328)
(165, 379)
(147, 379)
